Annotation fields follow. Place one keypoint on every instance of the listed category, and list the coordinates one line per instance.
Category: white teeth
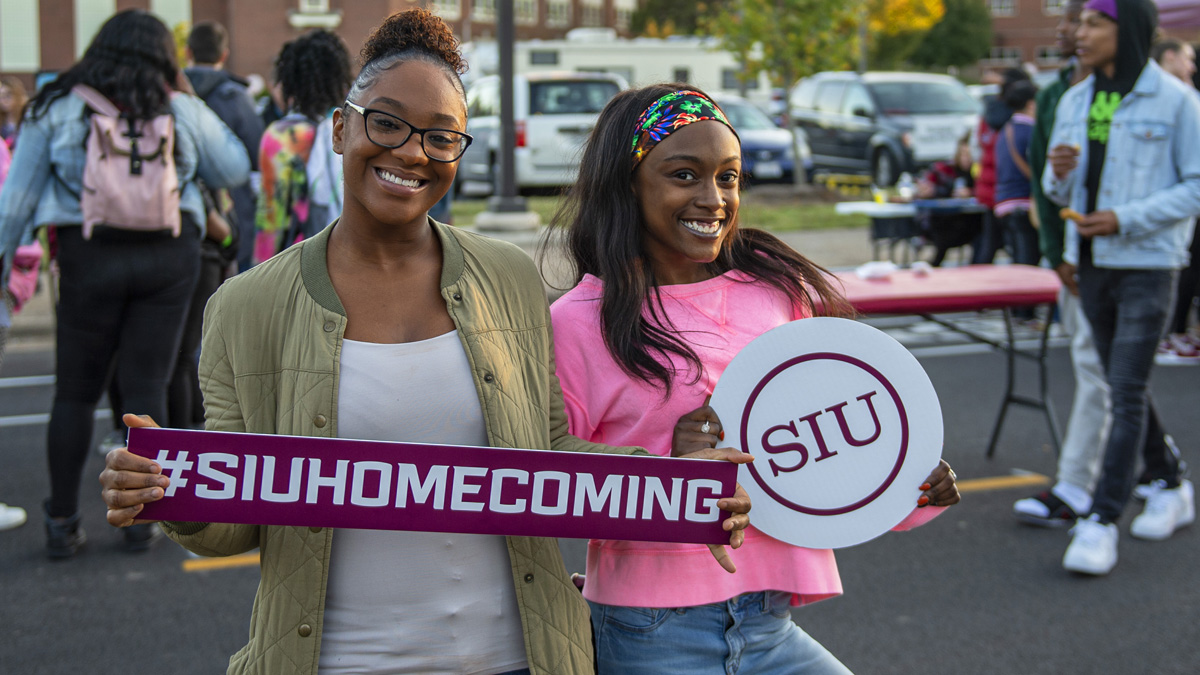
(397, 180)
(702, 228)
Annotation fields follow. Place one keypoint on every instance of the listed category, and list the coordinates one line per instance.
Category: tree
(961, 38)
(661, 18)
(897, 28)
(788, 38)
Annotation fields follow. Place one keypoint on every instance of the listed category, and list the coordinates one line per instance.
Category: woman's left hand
(940, 488)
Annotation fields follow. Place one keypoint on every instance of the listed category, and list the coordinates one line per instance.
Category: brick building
(49, 35)
(1023, 32)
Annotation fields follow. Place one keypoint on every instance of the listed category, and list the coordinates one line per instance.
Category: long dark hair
(314, 72)
(131, 61)
(603, 231)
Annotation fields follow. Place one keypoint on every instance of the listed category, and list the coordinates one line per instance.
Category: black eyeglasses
(387, 130)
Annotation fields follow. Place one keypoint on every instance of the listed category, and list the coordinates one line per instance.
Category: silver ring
(705, 427)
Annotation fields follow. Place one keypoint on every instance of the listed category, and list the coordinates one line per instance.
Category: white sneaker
(1093, 548)
(1166, 511)
(11, 517)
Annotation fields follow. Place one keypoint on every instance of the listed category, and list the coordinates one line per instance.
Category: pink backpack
(129, 179)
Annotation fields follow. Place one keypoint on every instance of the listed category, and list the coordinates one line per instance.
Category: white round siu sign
(844, 426)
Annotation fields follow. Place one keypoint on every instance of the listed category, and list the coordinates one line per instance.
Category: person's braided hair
(412, 35)
(314, 72)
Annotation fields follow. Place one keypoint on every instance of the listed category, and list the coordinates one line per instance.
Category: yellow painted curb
(206, 564)
(1002, 482)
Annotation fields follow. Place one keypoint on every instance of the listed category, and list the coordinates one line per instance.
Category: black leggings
(1189, 288)
(121, 293)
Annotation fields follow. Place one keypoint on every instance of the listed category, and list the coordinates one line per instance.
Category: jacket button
(320, 421)
(314, 530)
(305, 630)
(458, 297)
(529, 578)
(329, 326)
(488, 377)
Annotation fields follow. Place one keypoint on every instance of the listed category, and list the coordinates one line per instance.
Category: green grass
(763, 214)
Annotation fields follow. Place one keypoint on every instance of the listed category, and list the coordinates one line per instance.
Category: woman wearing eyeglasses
(389, 326)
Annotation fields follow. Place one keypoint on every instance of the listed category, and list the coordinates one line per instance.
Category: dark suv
(882, 123)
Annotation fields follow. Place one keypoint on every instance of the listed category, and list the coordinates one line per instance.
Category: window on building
(593, 12)
(1003, 7)
(624, 10)
(558, 12)
(681, 75)
(525, 11)
(314, 6)
(1005, 54)
(1053, 7)
(483, 10)
(447, 9)
(1050, 54)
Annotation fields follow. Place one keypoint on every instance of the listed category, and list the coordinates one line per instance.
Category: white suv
(554, 113)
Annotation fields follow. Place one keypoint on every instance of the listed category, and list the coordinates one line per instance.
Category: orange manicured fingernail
(923, 501)
(925, 486)
(721, 435)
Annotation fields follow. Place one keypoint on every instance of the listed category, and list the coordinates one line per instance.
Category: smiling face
(687, 189)
(1096, 41)
(396, 187)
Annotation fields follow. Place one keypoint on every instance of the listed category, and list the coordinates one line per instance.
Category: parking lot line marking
(206, 564)
(1002, 482)
(31, 381)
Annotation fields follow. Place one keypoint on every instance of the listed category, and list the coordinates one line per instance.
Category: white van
(554, 113)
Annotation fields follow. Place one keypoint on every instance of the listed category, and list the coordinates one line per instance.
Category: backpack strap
(95, 100)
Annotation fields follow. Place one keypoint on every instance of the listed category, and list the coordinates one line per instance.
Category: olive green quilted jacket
(269, 365)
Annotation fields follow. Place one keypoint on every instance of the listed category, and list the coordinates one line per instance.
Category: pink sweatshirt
(604, 405)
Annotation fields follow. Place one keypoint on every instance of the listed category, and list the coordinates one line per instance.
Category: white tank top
(416, 602)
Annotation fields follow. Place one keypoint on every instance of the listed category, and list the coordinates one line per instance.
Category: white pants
(1082, 449)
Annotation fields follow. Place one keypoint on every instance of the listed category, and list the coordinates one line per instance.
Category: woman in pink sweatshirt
(669, 289)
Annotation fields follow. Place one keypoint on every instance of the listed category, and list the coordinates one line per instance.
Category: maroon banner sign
(260, 479)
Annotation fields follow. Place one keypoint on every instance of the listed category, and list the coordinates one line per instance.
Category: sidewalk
(34, 325)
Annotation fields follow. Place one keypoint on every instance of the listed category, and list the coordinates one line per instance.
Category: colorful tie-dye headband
(669, 114)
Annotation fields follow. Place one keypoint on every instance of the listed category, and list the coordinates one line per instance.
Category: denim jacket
(1151, 175)
(33, 197)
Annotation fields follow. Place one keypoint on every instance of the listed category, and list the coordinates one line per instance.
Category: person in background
(669, 287)
(995, 116)
(229, 97)
(122, 292)
(11, 517)
(1136, 194)
(1179, 346)
(1013, 176)
(949, 180)
(12, 107)
(313, 74)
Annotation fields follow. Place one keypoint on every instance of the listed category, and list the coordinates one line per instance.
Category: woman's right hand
(130, 481)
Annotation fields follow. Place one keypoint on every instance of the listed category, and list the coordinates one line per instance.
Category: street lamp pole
(506, 209)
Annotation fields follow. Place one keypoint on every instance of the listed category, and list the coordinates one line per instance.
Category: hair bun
(415, 29)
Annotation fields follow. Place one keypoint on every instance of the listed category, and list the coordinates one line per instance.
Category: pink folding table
(945, 290)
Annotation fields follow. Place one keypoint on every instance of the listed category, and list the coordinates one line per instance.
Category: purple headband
(670, 114)
(1106, 7)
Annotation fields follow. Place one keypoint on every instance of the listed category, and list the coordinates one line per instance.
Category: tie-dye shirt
(283, 204)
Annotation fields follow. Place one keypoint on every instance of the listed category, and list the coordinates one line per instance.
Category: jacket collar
(314, 267)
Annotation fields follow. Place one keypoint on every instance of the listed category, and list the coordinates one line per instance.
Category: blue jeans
(1128, 312)
(752, 633)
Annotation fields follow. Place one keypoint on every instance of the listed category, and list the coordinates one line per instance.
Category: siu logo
(831, 459)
